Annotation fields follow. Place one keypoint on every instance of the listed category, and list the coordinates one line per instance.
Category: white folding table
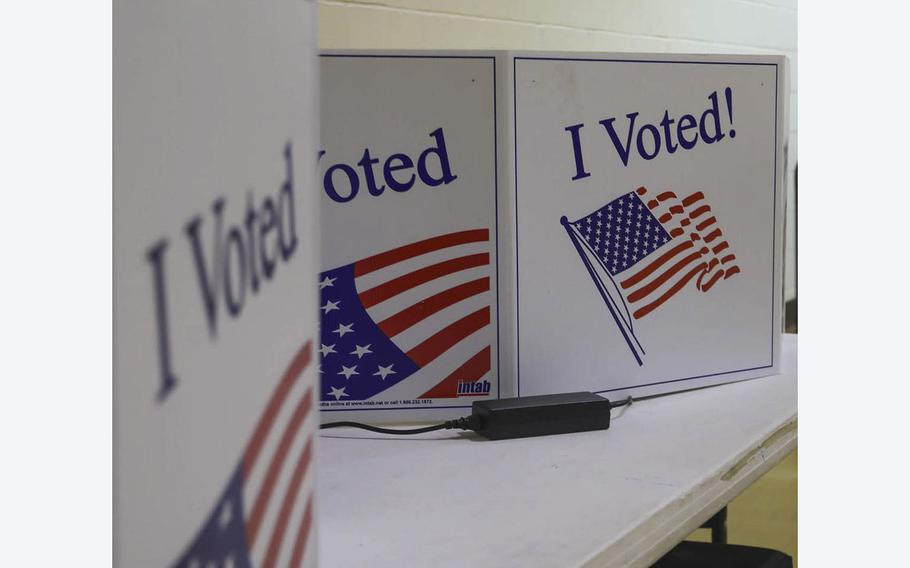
(619, 497)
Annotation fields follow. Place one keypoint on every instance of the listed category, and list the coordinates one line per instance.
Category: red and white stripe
(279, 473)
(696, 252)
(430, 297)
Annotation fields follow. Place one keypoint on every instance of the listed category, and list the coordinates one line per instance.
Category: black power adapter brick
(521, 417)
(540, 415)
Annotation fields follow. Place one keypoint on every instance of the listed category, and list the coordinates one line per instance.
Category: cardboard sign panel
(500, 223)
(215, 264)
(408, 290)
(648, 198)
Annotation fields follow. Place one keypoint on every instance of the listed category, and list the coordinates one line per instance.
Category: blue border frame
(774, 206)
(492, 58)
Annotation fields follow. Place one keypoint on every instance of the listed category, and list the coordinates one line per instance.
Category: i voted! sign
(215, 263)
(409, 244)
(501, 223)
(648, 220)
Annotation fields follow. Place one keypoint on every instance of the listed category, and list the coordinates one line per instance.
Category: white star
(348, 371)
(319, 369)
(327, 282)
(361, 351)
(383, 372)
(326, 349)
(227, 513)
(338, 393)
(342, 329)
(329, 306)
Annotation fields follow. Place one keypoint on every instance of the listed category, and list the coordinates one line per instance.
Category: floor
(765, 513)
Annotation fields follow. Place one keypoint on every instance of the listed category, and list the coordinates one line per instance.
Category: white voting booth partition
(215, 265)
(500, 224)
(648, 214)
(410, 248)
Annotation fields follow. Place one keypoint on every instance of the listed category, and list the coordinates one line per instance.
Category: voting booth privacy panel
(215, 263)
(409, 283)
(500, 224)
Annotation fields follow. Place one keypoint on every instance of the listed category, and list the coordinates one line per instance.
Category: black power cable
(472, 422)
(619, 403)
(461, 424)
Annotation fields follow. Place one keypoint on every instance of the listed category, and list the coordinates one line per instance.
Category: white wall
(692, 26)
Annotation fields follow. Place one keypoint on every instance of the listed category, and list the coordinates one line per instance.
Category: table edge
(645, 544)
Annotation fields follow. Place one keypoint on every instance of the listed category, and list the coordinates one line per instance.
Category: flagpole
(600, 262)
(603, 293)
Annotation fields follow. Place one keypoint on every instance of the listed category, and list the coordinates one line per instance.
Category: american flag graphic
(264, 515)
(650, 248)
(415, 312)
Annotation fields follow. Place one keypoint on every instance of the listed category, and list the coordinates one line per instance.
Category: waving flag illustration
(410, 313)
(264, 515)
(641, 251)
